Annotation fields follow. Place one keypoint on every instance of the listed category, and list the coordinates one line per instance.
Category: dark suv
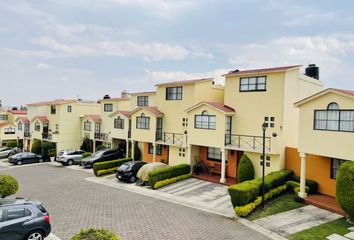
(22, 219)
(102, 156)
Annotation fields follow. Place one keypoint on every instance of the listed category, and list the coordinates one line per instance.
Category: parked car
(127, 171)
(22, 219)
(26, 157)
(70, 157)
(6, 152)
(102, 156)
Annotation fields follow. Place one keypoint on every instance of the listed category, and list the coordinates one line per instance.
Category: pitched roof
(43, 119)
(5, 124)
(93, 117)
(218, 106)
(22, 119)
(114, 99)
(142, 93)
(153, 110)
(185, 82)
(55, 102)
(349, 93)
(261, 70)
(125, 113)
(18, 112)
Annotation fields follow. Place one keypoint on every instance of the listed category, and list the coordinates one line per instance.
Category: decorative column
(189, 155)
(223, 166)
(133, 143)
(94, 146)
(126, 148)
(302, 192)
(154, 152)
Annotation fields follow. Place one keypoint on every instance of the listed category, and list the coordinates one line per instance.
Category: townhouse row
(309, 130)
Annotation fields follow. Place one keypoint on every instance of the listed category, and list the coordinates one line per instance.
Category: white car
(6, 152)
(70, 157)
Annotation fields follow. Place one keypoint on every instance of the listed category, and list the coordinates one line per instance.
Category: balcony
(47, 136)
(101, 136)
(247, 142)
(170, 138)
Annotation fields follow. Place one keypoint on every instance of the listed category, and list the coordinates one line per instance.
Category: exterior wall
(144, 135)
(119, 133)
(134, 99)
(6, 137)
(178, 155)
(276, 163)
(318, 168)
(325, 143)
(147, 157)
(3, 112)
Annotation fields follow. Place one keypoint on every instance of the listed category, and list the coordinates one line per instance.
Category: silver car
(70, 157)
(6, 152)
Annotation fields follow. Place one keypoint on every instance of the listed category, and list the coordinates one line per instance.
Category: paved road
(75, 203)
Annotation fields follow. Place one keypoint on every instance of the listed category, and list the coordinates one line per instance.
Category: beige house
(8, 126)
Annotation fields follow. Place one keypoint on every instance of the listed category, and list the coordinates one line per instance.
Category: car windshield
(41, 208)
(124, 167)
(4, 149)
(98, 154)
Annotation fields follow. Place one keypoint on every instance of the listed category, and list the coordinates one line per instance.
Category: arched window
(142, 122)
(333, 106)
(37, 126)
(205, 113)
(205, 121)
(119, 123)
(87, 125)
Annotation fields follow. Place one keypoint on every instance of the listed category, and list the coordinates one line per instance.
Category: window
(108, 107)
(174, 93)
(205, 121)
(335, 164)
(97, 127)
(228, 130)
(214, 154)
(119, 123)
(15, 213)
(27, 127)
(87, 125)
(19, 126)
(182, 152)
(158, 149)
(185, 122)
(37, 126)
(142, 122)
(253, 84)
(69, 109)
(143, 101)
(334, 119)
(53, 109)
(9, 130)
(269, 121)
(3, 117)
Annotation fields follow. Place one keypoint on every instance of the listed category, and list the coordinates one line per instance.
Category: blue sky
(61, 49)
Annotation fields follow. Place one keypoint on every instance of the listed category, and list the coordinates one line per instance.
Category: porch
(325, 202)
(215, 178)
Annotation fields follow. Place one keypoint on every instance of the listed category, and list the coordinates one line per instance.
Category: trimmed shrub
(100, 147)
(245, 169)
(168, 173)
(243, 193)
(52, 152)
(86, 154)
(95, 234)
(295, 186)
(45, 147)
(313, 185)
(11, 144)
(109, 164)
(36, 147)
(275, 179)
(137, 152)
(106, 171)
(345, 189)
(8, 186)
(171, 180)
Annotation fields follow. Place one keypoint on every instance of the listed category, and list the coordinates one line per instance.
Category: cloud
(43, 66)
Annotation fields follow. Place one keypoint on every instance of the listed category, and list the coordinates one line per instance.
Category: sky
(52, 49)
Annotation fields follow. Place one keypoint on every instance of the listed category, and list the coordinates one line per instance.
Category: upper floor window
(19, 126)
(87, 125)
(108, 107)
(53, 109)
(143, 101)
(3, 117)
(9, 130)
(37, 126)
(119, 123)
(97, 127)
(205, 121)
(69, 109)
(27, 127)
(142, 122)
(334, 119)
(253, 84)
(335, 164)
(174, 93)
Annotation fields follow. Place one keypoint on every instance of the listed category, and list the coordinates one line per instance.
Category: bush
(171, 180)
(245, 169)
(11, 144)
(86, 154)
(137, 152)
(36, 147)
(52, 152)
(100, 147)
(46, 147)
(8, 186)
(275, 179)
(295, 187)
(243, 193)
(95, 234)
(345, 189)
(108, 165)
(168, 173)
(313, 185)
(106, 171)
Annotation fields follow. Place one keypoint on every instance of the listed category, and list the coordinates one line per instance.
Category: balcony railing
(101, 136)
(170, 138)
(247, 142)
(47, 136)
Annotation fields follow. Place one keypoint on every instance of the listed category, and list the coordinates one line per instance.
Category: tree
(345, 189)
(8, 186)
(137, 153)
(11, 144)
(36, 147)
(46, 147)
(245, 169)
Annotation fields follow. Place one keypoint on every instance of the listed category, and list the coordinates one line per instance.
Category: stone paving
(348, 236)
(290, 222)
(76, 203)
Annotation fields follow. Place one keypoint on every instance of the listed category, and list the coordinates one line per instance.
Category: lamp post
(264, 128)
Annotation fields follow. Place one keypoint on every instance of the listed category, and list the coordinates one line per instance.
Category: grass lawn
(284, 202)
(339, 226)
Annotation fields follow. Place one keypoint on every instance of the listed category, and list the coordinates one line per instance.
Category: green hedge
(86, 154)
(345, 188)
(109, 164)
(11, 144)
(8, 186)
(313, 185)
(245, 169)
(94, 234)
(171, 180)
(246, 192)
(106, 171)
(167, 173)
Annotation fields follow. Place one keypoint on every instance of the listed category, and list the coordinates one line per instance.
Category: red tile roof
(23, 119)
(18, 112)
(93, 117)
(220, 106)
(43, 119)
(154, 110)
(351, 92)
(55, 102)
(261, 70)
(185, 82)
(125, 113)
(5, 124)
(115, 99)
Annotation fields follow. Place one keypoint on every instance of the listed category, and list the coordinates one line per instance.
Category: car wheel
(40, 160)
(35, 235)
(19, 162)
(70, 162)
(132, 179)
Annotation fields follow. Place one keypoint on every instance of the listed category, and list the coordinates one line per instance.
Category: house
(326, 136)
(8, 129)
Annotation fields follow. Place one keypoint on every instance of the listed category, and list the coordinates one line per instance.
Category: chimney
(124, 94)
(312, 71)
(106, 96)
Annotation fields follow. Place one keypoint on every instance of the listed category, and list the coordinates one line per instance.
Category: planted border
(168, 173)
(98, 168)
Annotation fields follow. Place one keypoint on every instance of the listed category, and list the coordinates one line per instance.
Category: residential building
(326, 136)
(8, 130)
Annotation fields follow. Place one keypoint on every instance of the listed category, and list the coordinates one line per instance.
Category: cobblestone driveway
(75, 203)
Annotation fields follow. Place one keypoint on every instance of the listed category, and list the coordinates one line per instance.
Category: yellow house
(8, 129)
(326, 136)
(59, 121)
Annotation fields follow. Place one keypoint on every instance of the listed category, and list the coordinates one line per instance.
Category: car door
(11, 226)
(25, 158)
(78, 156)
(31, 157)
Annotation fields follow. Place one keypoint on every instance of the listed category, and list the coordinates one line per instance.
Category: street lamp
(264, 128)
